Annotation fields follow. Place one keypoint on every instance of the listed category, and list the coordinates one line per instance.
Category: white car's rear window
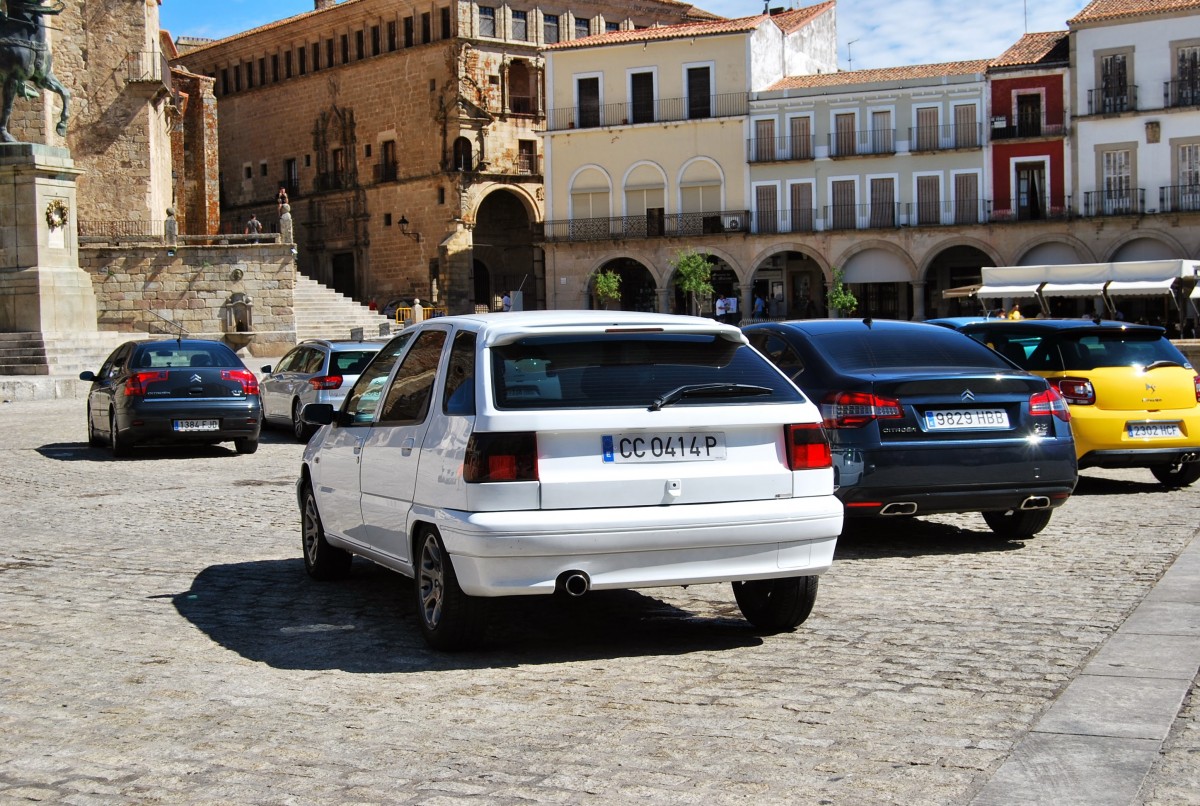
(633, 370)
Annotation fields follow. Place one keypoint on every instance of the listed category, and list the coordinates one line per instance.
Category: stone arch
(639, 286)
(463, 156)
(792, 279)
(644, 193)
(891, 249)
(955, 267)
(501, 242)
(974, 243)
(881, 275)
(1145, 245)
(1027, 254)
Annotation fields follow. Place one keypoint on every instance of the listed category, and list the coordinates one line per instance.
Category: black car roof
(846, 325)
(187, 344)
(1056, 325)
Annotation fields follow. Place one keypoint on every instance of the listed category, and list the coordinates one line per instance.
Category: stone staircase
(322, 313)
(36, 366)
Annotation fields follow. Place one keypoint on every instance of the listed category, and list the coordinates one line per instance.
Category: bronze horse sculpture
(25, 58)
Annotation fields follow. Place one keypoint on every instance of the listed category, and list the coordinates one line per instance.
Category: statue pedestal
(42, 288)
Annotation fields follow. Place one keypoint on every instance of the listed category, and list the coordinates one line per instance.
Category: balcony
(1181, 92)
(522, 104)
(862, 216)
(1028, 128)
(1179, 199)
(863, 143)
(652, 225)
(292, 185)
(385, 172)
(944, 138)
(1114, 202)
(332, 180)
(1113, 100)
(1047, 208)
(730, 104)
(780, 149)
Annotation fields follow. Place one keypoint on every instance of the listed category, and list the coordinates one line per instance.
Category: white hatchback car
(567, 451)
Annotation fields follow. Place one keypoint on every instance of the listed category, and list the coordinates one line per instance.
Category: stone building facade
(128, 119)
(406, 137)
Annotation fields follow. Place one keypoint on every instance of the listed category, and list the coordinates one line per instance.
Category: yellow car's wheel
(1180, 474)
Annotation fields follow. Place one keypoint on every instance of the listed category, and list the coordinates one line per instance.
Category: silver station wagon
(563, 452)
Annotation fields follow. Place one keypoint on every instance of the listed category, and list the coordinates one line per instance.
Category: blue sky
(874, 33)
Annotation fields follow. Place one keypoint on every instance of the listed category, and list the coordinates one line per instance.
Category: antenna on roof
(850, 53)
(1025, 5)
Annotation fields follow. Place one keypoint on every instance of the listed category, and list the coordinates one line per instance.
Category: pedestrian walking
(253, 227)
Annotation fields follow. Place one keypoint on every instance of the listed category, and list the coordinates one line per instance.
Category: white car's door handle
(407, 446)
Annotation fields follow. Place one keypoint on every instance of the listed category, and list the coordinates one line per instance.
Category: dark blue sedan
(922, 419)
(170, 392)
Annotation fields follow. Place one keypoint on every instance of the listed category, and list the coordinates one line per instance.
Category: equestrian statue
(25, 58)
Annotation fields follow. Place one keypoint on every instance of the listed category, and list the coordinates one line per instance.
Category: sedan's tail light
(243, 376)
(856, 409)
(324, 382)
(501, 457)
(1049, 402)
(1077, 391)
(807, 448)
(135, 384)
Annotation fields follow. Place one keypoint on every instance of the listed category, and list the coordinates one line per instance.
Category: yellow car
(1134, 398)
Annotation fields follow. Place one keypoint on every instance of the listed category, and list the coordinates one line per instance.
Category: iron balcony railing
(943, 138)
(652, 225)
(862, 216)
(800, 219)
(781, 149)
(1114, 202)
(148, 67)
(386, 171)
(1179, 199)
(1181, 92)
(1044, 208)
(584, 116)
(947, 213)
(332, 180)
(1113, 100)
(862, 143)
(1028, 128)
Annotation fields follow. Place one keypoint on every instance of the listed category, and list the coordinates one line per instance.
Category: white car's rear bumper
(524, 552)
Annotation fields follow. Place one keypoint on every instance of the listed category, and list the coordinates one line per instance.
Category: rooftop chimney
(323, 4)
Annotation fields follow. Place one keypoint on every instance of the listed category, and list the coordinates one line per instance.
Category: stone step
(322, 313)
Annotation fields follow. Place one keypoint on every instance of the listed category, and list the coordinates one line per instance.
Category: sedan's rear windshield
(1080, 351)
(166, 356)
(882, 349)
(617, 370)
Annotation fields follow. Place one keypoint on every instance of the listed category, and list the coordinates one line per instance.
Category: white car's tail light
(501, 457)
(856, 409)
(325, 382)
(1077, 391)
(807, 448)
(1049, 402)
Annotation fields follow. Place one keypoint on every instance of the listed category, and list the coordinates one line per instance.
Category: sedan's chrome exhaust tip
(1036, 502)
(899, 508)
(573, 583)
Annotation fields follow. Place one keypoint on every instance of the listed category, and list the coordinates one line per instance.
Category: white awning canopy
(1072, 289)
(1002, 291)
(1139, 288)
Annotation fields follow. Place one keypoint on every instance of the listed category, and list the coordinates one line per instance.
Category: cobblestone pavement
(160, 643)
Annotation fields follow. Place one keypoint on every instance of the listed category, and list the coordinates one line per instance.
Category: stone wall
(197, 287)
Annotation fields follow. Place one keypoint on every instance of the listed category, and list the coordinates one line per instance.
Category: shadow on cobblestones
(1097, 485)
(270, 611)
(83, 452)
(914, 537)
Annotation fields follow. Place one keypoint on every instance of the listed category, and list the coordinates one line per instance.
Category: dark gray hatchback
(178, 391)
(922, 419)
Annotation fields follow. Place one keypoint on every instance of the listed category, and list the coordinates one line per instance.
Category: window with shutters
(1187, 192)
(843, 213)
(882, 134)
(883, 202)
(929, 201)
(966, 126)
(766, 208)
(641, 94)
(1186, 86)
(801, 138)
(520, 26)
(802, 212)
(966, 198)
(550, 28)
(699, 92)
(845, 135)
(764, 140)
(1029, 114)
(583, 28)
(926, 136)
(1117, 175)
(1114, 84)
(587, 93)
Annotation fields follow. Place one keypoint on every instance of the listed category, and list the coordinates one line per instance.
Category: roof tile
(1031, 49)
(1100, 10)
(882, 74)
